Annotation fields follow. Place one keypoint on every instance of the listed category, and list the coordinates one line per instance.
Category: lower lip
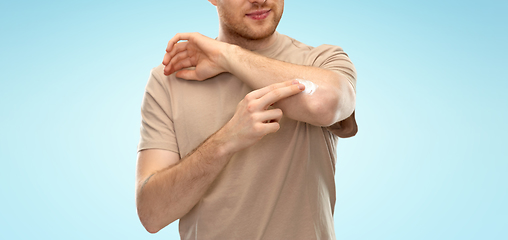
(259, 16)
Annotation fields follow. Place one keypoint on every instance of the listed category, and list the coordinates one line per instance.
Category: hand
(253, 120)
(198, 51)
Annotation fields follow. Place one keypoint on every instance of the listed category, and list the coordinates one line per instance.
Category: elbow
(149, 226)
(148, 222)
(154, 212)
(145, 214)
(332, 108)
(151, 229)
(152, 221)
(151, 218)
(153, 224)
(322, 113)
(332, 104)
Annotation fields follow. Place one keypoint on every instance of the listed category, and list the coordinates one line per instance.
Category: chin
(260, 35)
(258, 32)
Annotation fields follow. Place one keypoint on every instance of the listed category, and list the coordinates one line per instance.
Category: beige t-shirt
(280, 188)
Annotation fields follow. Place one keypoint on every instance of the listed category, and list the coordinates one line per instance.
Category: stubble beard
(241, 32)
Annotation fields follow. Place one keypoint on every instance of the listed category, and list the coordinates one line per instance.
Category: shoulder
(157, 79)
(301, 53)
(323, 54)
(157, 73)
(297, 45)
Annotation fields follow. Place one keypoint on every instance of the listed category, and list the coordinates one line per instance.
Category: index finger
(263, 91)
(278, 94)
(177, 47)
(178, 37)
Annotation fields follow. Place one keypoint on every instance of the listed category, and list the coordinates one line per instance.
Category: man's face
(250, 19)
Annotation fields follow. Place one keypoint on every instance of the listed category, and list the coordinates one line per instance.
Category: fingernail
(301, 86)
(295, 82)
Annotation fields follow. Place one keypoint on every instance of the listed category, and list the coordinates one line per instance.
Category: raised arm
(332, 101)
(166, 189)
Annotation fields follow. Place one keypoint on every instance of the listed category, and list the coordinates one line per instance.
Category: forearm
(332, 101)
(170, 193)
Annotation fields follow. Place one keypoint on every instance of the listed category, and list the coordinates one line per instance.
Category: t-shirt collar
(273, 48)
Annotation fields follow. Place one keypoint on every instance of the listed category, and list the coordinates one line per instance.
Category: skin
(236, 28)
(167, 187)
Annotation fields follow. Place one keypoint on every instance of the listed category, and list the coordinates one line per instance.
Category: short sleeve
(335, 59)
(157, 129)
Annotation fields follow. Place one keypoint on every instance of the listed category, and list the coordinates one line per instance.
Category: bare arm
(166, 195)
(333, 101)
(167, 189)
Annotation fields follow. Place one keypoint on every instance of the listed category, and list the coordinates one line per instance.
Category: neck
(249, 44)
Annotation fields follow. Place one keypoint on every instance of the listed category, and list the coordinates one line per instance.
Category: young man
(238, 134)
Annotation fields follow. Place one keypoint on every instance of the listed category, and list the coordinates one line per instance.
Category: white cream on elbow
(310, 87)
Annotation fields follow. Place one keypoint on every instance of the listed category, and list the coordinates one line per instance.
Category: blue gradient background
(428, 161)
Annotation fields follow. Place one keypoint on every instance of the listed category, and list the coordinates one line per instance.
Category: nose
(257, 1)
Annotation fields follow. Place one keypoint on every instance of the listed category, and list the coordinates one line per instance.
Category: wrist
(229, 57)
(223, 145)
